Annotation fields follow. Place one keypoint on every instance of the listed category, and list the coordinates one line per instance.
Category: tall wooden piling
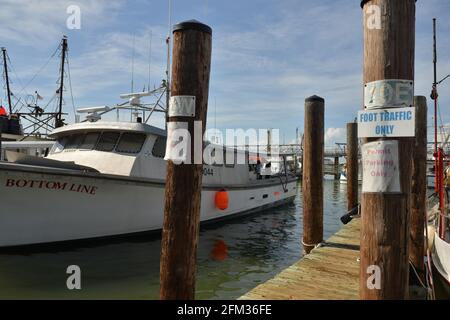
(388, 54)
(419, 186)
(312, 188)
(352, 165)
(190, 78)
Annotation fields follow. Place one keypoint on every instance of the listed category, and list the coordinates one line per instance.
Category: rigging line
(132, 65)
(70, 83)
(14, 72)
(442, 132)
(40, 70)
(150, 59)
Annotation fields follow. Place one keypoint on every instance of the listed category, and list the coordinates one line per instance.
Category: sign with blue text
(390, 93)
(395, 122)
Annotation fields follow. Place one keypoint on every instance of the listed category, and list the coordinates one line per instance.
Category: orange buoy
(221, 199)
(219, 251)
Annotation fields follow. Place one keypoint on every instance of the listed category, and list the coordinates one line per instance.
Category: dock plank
(329, 272)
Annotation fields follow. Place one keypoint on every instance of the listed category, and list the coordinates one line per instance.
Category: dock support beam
(312, 187)
(190, 78)
(419, 187)
(352, 165)
(337, 173)
(388, 54)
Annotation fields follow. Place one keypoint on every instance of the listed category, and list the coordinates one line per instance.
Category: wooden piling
(312, 187)
(337, 173)
(352, 165)
(419, 187)
(388, 54)
(190, 77)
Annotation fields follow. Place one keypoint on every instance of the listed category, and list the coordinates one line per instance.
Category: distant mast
(59, 122)
(8, 91)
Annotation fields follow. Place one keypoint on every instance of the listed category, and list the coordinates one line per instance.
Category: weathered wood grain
(419, 186)
(312, 187)
(190, 76)
(330, 272)
(388, 54)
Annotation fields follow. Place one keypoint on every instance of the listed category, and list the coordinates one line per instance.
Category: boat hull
(41, 207)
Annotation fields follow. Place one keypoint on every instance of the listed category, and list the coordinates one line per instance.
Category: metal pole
(59, 122)
(8, 91)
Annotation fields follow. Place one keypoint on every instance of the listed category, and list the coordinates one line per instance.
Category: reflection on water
(233, 257)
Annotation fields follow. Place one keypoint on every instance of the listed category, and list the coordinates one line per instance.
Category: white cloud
(40, 22)
(333, 135)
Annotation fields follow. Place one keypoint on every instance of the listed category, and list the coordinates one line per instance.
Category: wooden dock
(329, 272)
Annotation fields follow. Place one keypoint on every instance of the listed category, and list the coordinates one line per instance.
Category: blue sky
(268, 55)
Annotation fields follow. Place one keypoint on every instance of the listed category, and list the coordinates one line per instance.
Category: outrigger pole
(439, 154)
(59, 122)
(8, 91)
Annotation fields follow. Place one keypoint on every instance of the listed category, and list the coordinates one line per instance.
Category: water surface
(233, 257)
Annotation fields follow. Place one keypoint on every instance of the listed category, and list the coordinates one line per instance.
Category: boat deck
(329, 272)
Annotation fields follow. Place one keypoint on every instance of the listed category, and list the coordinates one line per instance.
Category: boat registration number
(208, 171)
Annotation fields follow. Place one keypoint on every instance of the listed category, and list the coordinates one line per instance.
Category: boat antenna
(8, 91)
(149, 59)
(59, 122)
(132, 66)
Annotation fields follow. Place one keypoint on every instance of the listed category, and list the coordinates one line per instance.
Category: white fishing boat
(107, 178)
(343, 174)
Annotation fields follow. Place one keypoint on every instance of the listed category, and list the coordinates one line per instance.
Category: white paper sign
(380, 167)
(182, 106)
(394, 122)
(178, 142)
(391, 93)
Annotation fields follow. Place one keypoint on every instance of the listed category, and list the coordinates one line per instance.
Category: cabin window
(59, 145)
(215, 154)
(159, 148)
(131, 142)
(89, 141)
(107, 141)
(229, 157)
(73, 142)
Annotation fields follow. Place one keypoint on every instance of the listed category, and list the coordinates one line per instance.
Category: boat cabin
(137, 150)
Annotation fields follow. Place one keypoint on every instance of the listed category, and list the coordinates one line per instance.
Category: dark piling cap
(314, 98)
(363, 2)
(192, 25)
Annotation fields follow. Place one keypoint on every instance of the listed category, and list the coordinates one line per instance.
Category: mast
(434, 94)
(58, 122)
(8, 91)
(438, 152)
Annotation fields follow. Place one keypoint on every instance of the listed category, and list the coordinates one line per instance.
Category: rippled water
(233, 257)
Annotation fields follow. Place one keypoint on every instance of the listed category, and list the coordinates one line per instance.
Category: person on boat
(258, 170)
